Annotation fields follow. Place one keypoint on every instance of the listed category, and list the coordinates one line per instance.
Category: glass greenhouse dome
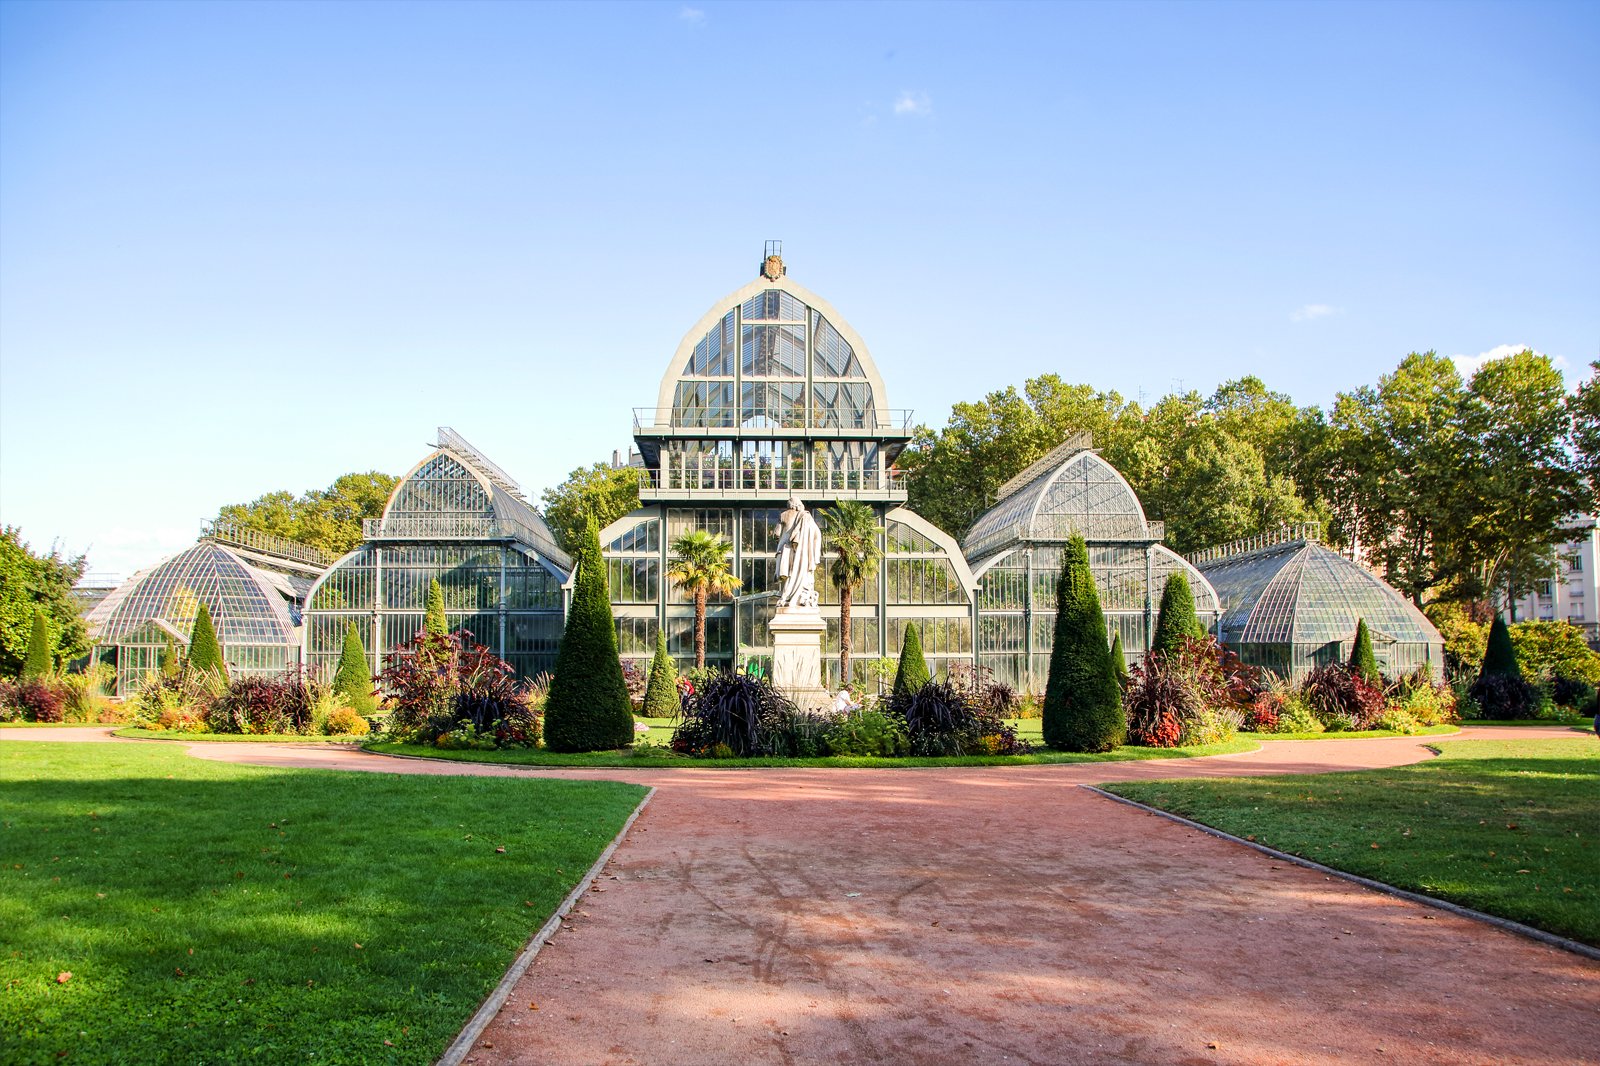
(252, 584)
(772, 394)
(1291, 604)
(457, 518)
(1015, 551)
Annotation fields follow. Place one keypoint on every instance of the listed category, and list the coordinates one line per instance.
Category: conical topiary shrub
(588, 708)
(1363, 663)
(1500, 657)
(1177, 621)
(170, 659)
(433, 620)
(205, 654)
(39, 662)
(1119, 661)
(353, 679)
(1082, 702)
(912, 673)
(661, 693)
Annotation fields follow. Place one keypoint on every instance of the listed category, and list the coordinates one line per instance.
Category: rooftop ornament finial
(772, 267)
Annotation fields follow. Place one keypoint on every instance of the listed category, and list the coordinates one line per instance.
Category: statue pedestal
(797, 656)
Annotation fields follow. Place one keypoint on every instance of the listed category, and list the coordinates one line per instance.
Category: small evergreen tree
(353, 679)
(1082, 703)
(661, 694)
(434, 620)
(588, 708)
(39, 662)
(1119, 661)
(205, 654)
(1362, 662)
(1500, 657)
(1177, 621)
(912, 673)
(170, 659)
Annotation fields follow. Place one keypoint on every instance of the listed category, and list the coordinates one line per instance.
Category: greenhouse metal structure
(772, 394)
(1015, 551)
(1291, 604)
(253, 585)
(458, 518)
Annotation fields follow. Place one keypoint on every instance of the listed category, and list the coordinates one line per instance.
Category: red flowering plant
(440, 684)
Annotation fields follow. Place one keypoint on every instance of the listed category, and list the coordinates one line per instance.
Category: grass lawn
(208, 912)
(137, 733)
(1511, 827)
(1425, 731)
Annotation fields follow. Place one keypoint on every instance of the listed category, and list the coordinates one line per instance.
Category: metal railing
(773, 478)
(893, 420)
(1300, 531)
(266, 543)
(443, 526)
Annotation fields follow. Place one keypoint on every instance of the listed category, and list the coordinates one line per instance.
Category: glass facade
(1016, 548)
(1293, 606)
(455, 519)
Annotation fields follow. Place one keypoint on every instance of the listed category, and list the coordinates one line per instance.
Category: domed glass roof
(1072, 490)
(246, 604)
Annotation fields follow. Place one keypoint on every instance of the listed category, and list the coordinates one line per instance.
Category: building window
(1544, 590)
(1574, 564)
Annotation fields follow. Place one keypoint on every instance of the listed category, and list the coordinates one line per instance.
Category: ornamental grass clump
(940, 720)
(728, 716)
(264, 705)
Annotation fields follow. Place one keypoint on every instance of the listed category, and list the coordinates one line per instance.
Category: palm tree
(852, 535)
(700, 570)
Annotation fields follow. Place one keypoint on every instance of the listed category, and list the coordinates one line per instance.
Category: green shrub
(345, 722)
(912, 671)
(1500, 658)
(264, 705)
(736, 713)
(1363, 663)
(867, 732)
(433, 618)
(1082, 703)
(353, 679)
(1119, 660)
(1030, 705)
(589, 708)
(795, 734)
(186, 696)
(465, 737)
(39, 663)
(661, 694)
(1177, 621)
(938, 719)
(1211, 725)
(1397, 719)
(1550, 650)
(1427, 702)
(1295, 716)
(205, 654)
(1505, 695)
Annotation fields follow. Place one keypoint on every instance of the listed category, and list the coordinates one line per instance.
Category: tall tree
(700, 567)
(40, 663)
(353, 679)
(602, 492)
(1082, 701)
(205, 654)
(329, 519)
(434, 619)
(912, 672)
(30, 583)
(588, 708)
(1176, 621)
(1362, 661)
(1583, 407)
(851, 530)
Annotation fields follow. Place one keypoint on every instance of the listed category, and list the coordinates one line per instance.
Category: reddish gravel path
(1003, 916)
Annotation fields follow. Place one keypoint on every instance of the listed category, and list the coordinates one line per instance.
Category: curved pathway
(1001, 916)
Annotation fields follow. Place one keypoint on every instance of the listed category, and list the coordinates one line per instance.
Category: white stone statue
(799, 552)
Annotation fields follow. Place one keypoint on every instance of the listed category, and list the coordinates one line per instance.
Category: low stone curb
(462, 1045)
(1505, 924)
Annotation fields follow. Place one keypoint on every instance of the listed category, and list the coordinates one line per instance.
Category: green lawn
(216, 913)
(1426, 731)
(1507, 827)
(139, 733)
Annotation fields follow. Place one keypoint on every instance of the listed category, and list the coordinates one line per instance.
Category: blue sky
(253, 246)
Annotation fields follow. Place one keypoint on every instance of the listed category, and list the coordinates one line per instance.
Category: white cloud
(1469, 364)
(910, 103)
(692, 15)
(1313, 311)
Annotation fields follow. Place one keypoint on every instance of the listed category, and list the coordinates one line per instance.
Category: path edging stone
(462, 1045)
(1504, 924)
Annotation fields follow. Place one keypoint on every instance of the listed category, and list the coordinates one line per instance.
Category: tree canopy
(602, 492)
(30, 582)
(328, 518)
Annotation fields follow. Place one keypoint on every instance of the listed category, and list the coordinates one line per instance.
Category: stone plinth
(797, 656)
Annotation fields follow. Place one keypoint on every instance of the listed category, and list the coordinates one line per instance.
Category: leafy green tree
(661, 692)
(602, 492)
(1119, 660)
(1500, 659)
(851, 530)
(1583, 408)
(1176, 622)
(353, 679)
(205, 654)
(39, 663)
(434, 619)
(1548, 650)
(912, 672)
(1082, 702)
(30, 583)
(329, 519)
(588, 708)
(1362, 660)
(700, 567)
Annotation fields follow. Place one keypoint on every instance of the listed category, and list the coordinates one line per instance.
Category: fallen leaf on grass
(63, 977)
(499, 851)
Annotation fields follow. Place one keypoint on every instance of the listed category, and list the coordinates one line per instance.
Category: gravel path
(1002, 915)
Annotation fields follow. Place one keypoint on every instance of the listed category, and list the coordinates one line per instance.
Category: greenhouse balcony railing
(774, 481)
(433, 527)
(680, 421)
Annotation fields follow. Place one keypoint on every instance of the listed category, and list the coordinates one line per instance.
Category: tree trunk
(700, 628)
(844, 636)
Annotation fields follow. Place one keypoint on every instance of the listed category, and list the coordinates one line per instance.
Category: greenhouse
(252, 584)
(1015, 552)
(773, 394)
(459, 519)
(1291, 604)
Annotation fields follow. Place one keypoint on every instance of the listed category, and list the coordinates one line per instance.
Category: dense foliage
(1082, 702)
(329, 519)
(588, 708)
(1197, 693)
(282, 704)
(939, 719)
(602, 492)
(433, 617)
(1500, 657)
(39, 663)
(441, 688)
(43, 583)
(1342, 699)
(731, 715)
